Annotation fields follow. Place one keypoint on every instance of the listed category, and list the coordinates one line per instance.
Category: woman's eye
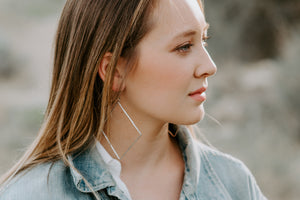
(184, 48)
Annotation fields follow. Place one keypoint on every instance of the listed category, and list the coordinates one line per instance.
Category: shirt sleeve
(254, 191)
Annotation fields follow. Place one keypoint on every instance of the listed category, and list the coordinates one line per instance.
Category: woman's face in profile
(169, 81)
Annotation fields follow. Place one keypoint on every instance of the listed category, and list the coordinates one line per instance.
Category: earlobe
(118, 84)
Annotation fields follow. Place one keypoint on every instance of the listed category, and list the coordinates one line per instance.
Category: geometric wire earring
(173, 134)
(133, 124)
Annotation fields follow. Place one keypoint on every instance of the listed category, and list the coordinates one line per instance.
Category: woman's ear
(118, 84)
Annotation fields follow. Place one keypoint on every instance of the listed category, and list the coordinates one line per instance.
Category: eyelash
(186, 47)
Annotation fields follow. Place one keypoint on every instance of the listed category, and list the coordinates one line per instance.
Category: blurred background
(253, 109)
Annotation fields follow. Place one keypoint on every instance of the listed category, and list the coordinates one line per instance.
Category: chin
(195, 120)
(193, 117)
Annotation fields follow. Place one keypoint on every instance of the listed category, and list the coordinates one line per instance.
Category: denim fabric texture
(209, 175)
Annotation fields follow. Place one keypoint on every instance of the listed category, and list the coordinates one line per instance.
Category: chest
(166, 184)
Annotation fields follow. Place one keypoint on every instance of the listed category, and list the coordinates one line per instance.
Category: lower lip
(199, 96)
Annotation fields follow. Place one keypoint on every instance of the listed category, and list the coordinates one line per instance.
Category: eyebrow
(190, 32)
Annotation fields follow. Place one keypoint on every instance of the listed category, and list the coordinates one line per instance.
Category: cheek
(159, 86)
(163, 76)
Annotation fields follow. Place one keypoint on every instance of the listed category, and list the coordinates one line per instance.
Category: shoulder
(44, 181)
(221, 161)
(228, 173)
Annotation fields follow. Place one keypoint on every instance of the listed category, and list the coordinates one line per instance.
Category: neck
(150, 149)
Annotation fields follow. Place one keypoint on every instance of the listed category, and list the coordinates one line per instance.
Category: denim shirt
(209, 175)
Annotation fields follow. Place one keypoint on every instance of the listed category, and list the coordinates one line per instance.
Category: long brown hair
(80, 102)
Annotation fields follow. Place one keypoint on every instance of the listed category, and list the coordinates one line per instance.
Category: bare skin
(153, 168)
(171, 66)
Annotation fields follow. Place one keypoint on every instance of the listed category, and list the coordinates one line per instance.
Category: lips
(199, 91)
(199, 94)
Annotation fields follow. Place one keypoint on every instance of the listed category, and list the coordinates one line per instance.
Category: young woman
(129, 80)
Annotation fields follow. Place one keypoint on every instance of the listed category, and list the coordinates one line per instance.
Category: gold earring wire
(173, 135)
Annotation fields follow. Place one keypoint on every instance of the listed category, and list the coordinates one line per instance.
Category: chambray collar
(91, 166)
(192, 161)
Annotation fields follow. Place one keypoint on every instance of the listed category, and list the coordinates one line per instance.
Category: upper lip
(198, 91)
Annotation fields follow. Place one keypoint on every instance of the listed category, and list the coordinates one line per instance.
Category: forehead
(172, 16)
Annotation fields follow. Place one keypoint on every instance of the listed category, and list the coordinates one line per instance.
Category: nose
(206, 66)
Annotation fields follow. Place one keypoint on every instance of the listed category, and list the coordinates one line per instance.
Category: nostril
(205, 71)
